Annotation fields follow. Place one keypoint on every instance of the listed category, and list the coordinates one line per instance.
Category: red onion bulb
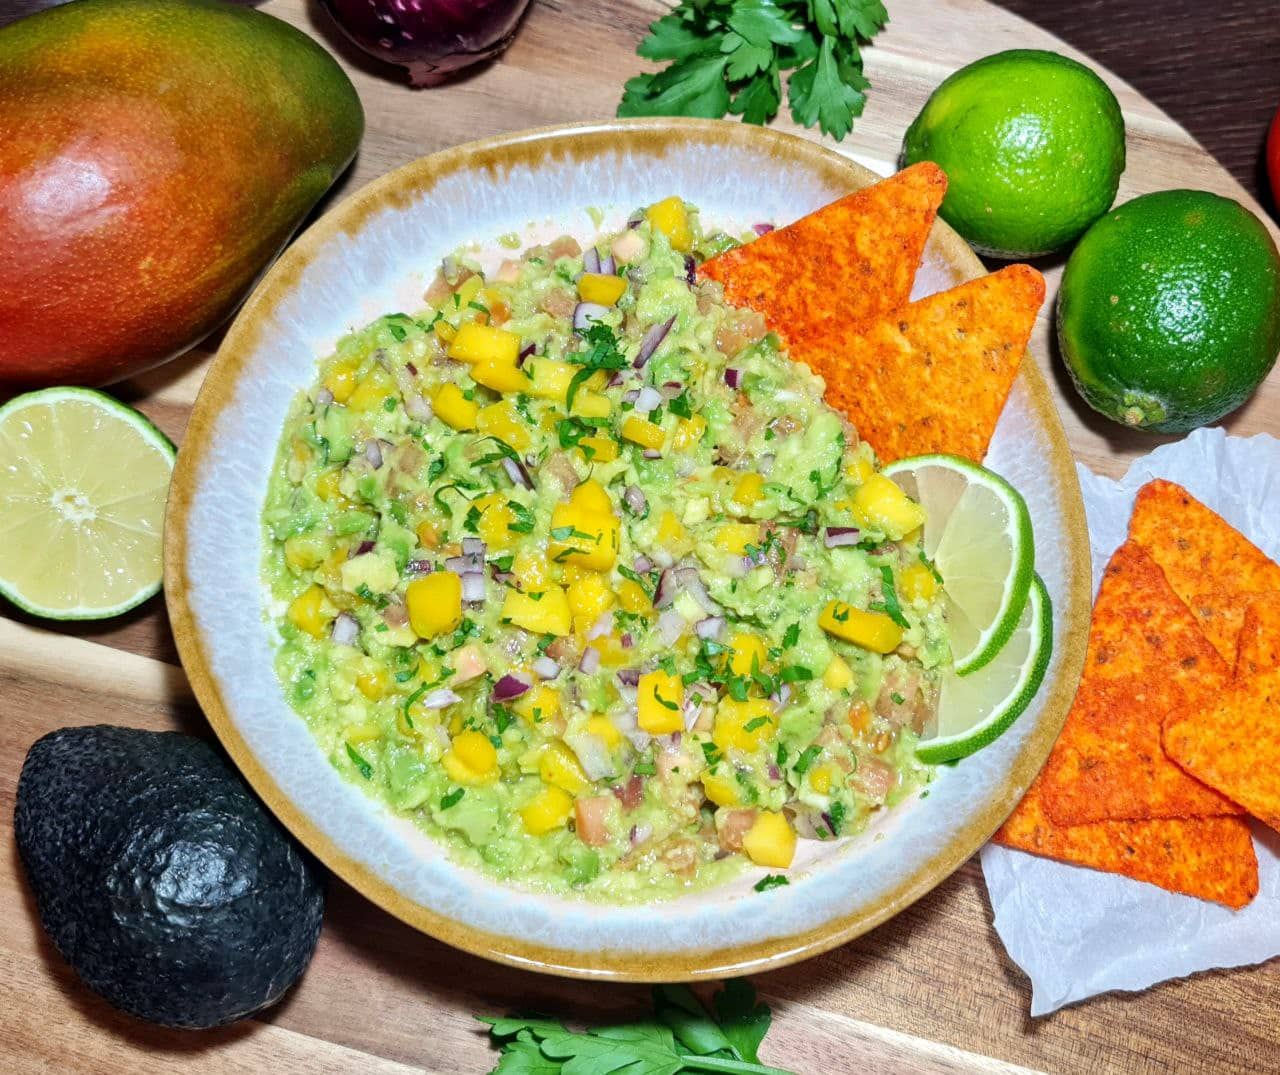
(431, 38)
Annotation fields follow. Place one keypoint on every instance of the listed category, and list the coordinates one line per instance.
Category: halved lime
(83, 481)
(978, 535)
(973, 710)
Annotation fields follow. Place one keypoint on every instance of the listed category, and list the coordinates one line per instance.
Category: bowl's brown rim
(582, 142)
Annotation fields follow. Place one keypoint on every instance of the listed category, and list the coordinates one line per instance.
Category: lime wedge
(978, 535)
(974, 710)
(83, 481)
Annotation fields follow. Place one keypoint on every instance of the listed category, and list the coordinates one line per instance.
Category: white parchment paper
(1078, 932)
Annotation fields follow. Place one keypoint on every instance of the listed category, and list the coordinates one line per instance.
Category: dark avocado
(160, 878)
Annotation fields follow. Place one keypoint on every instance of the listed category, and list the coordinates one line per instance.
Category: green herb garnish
(453, 798)
(892, 607)
(773, 880)
(362, 766)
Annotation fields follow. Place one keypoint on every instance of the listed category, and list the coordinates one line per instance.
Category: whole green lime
(1033, 147)
(1169, 312)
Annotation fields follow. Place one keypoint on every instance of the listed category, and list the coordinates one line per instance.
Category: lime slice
(978, 535)
(83, 481)
(974, 710)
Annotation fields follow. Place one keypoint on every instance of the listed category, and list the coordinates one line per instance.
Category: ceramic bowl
(376, 252)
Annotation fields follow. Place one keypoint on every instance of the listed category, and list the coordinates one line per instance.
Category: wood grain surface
(932, 991)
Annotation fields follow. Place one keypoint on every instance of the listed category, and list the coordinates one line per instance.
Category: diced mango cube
(545, 613)
(590, 404)
(592, 496)
(500, 376)
(749, 490)
(503, 421)
(603, 728)
(771, 841)
(374, 682)
(583, 536)
(372, 391)
(341, 380)
(496, 517)
(453, 408)
(878, 504)
(598, 287)
(530, 570)
(735, 537)
(559, 766)
(598, 449)
(859, 470)
(821, 778)
(434, 604)
(660, 701)
(917, 583)
(590, 596)
(745, 725)
(547, 811)
(474, 342)
(362, 733)
(302, 552)
(870, 630)
(445, 332)
(468, 290)
(538, 704)
(689, 433)
(838, 674)
(672, 535)
(428, 534)
(670, 217)
(721, 790)
(748, 653)
(311, 611)
(633, 597)
(471, 759)
(643, 432)
(328, 485)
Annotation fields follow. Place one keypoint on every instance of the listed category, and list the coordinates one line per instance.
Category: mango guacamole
(575, 568)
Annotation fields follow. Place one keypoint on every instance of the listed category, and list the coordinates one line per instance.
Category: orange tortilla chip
(1233, 743)
(1210, 858)
(1260, 636)
(1221, 616)
(840, 268)
(934, 376)
(1146, 658)
(1195, 547)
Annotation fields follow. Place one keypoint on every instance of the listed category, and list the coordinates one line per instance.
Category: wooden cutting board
(930, 991)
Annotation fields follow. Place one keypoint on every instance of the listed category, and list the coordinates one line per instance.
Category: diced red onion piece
(439, 698)
(635, 220)
(711, 628)
(517, 472)
(651, 453)
(733, 377)
(324, 397)
(685, 579)
(775, 774)
(473, 546)
(593, 755)
(413, 370)
(345, 630)
(418, 567)
(636, 503)
(671, 389)
(525, 352)
(631, 395)
(510, 686)
(837, 536)
(473, 590)
(647, 399)
(652, 340)
(364, 547)
(373, 453)
(626, 641)
(590, 660)
(609, 265)
(461, 565)
(629, 677)
(639, 834)
(417, 408)
(782, 695)
(601, 627)
(587, 312)
(762, 229)
(690, 270)
(546, 668)
(642, 565)
(591, 260)
(615, 380)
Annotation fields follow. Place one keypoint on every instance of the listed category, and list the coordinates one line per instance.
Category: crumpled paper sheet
(1077, 932)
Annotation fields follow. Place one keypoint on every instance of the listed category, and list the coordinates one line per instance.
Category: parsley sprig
(682, 1036)
(729, 56)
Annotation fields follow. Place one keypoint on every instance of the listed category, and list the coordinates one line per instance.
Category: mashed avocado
(575, 568)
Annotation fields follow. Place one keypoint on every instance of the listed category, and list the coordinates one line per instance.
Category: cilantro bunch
(682, 1036)
(728, 56)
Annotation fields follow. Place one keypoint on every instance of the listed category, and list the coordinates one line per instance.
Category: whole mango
(155, 155)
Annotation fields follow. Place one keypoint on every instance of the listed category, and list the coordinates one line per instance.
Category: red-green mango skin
(155, 155)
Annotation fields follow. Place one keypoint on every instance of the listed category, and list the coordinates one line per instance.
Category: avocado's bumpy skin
(163, 882)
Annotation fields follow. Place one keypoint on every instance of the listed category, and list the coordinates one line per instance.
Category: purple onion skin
(431, 38)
